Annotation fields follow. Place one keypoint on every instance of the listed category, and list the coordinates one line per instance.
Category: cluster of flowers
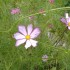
(17, 10)
(28, 34)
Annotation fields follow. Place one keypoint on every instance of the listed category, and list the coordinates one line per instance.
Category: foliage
(57, 47)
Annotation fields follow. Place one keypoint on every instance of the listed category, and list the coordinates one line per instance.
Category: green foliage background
(18, 58)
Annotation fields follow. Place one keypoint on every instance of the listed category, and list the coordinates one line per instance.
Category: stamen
(69, 24)
(27, 37)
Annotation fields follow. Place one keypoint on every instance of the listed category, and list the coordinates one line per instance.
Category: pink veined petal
(35, 33)
(51, 1)
(19, 42)
(33, 42)
(18, 36)
(29, 29)
(68, 20)
(22, 30)
(28, 44)
(69, 27)
(12, 12)
(64, 20)
(15, 11)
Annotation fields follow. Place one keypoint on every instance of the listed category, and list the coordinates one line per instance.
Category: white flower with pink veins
(26, 35)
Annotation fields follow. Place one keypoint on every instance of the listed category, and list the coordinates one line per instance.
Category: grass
(18, 58)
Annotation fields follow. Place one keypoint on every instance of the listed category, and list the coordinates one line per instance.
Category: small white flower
(27, 35)
(44, 58)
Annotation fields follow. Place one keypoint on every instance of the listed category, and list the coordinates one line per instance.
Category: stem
(61, 8)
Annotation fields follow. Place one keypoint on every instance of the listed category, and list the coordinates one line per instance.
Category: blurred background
(53, 49)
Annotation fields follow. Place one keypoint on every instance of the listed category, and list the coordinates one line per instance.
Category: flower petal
(64, 20)
(35, 33)
(29, 29)
(19, 42)
(22, 29)
(15, 11)
(18, 36)
(33, 42)
(68, 20)
(69, 27)
(66, 14)
(28, 44)
(51, 1)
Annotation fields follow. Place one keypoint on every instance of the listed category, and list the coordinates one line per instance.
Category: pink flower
(41, 11)
(26, 36)
(15, 11)
(51, 1)
(31, 17)
(66, 20)
(50, 26)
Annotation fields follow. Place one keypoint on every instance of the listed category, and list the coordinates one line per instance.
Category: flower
(42, 11)
(15, 11)
(26, 36)
(44, 58)
(66, 20)
(51, 1)
(31, 17)
(50, 26)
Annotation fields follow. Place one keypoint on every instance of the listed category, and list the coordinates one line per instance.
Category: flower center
(27, 37)
(69, 24)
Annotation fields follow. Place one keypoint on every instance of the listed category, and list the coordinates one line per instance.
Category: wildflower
(66, 20)
(26, 36)
(31, 17)
(42, 11)
(15, 11)
(50, 26)
(51, 1)
(44, 58)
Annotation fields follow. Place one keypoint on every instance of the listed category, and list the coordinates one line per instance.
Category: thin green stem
(62, 8)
